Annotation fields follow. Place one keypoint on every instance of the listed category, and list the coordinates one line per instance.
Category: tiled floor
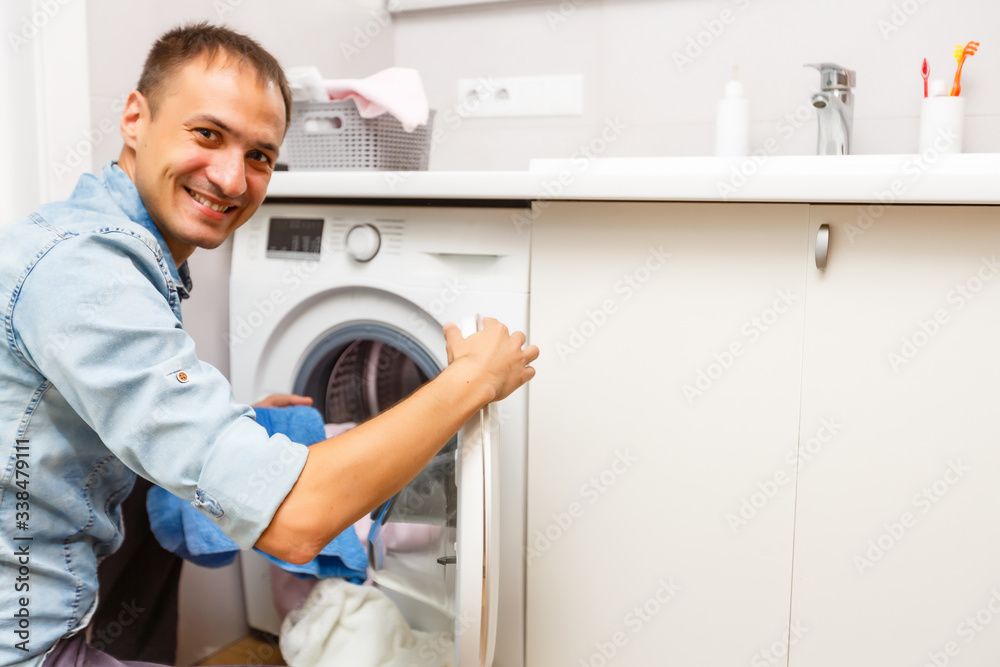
(253, 650)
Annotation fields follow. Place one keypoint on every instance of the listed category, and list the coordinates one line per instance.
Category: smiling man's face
(203, 162)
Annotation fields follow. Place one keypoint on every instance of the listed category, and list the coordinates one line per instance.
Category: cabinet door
(897, 535)
(662, 433)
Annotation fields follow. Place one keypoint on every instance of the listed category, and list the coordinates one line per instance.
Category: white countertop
(972, 178)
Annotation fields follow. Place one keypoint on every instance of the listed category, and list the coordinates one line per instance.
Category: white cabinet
(897, 532)
(737, 458)
(663, 431)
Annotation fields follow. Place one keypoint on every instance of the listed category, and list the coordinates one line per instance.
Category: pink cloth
(397, 91)
(333, 430)
(288, 591)
(409, 536)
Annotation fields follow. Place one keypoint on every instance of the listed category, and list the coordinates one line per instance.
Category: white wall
(43, 67)
(19, 177)
(625, 50)
(297, 32)
(62, 83)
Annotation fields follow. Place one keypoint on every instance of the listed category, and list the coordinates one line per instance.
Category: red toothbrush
(925, 71)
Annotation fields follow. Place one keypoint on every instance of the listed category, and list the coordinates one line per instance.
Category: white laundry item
(345, 624)
(306, 84)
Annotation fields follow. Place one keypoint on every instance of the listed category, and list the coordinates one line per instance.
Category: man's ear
(134, 118)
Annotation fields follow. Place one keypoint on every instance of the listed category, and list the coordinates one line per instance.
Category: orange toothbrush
(960, 55)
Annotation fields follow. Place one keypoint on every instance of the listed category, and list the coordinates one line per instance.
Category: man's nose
(228, 173)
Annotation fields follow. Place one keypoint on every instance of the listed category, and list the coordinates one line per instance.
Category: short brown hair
(179, 46)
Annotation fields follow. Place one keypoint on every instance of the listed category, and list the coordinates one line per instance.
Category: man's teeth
(201, 200)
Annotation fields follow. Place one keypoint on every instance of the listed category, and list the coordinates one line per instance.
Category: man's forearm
(346, 476)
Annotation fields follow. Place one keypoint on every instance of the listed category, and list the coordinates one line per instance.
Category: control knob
(363, 242)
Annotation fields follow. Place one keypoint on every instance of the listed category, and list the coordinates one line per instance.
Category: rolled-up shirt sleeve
(93, 316)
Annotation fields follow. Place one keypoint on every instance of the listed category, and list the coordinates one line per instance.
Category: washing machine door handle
(470, 325)
(478, 544)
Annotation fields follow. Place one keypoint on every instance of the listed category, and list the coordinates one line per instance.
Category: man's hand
(283, 401)
(499, 357)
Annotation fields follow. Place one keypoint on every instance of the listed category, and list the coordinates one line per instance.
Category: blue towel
(300, 423)
(183, 530)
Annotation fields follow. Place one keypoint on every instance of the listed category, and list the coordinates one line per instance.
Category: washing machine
(344, 302)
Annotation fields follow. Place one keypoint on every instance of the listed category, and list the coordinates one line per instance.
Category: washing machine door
(477, 547)
(435, 546)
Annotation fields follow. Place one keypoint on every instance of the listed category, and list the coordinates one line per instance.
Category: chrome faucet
(834, 109)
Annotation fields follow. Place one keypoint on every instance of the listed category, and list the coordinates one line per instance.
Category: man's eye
(207, 133)
(259, 156)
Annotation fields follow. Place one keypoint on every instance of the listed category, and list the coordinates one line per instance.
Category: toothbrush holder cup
(941, 122)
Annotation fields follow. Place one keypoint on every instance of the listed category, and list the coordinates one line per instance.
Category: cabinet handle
(822, 246)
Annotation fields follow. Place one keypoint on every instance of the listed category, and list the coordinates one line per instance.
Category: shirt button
(182, 377)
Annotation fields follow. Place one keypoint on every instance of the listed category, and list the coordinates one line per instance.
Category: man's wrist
(470, 379)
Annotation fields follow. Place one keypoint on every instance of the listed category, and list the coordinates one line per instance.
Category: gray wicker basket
(333, 136)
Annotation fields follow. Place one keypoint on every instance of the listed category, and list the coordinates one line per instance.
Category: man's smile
(205, 201)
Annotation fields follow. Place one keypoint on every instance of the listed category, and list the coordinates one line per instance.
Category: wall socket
(521, 96)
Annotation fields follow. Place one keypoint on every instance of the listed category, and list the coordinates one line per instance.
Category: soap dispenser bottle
(732, 121)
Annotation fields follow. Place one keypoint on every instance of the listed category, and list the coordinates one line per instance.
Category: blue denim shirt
(98, 383)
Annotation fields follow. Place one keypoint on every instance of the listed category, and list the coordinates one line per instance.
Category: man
(91, 289)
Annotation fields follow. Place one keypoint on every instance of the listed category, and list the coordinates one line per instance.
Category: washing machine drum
(368, 377)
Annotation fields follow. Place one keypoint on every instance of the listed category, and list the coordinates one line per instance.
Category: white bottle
(732, 122)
